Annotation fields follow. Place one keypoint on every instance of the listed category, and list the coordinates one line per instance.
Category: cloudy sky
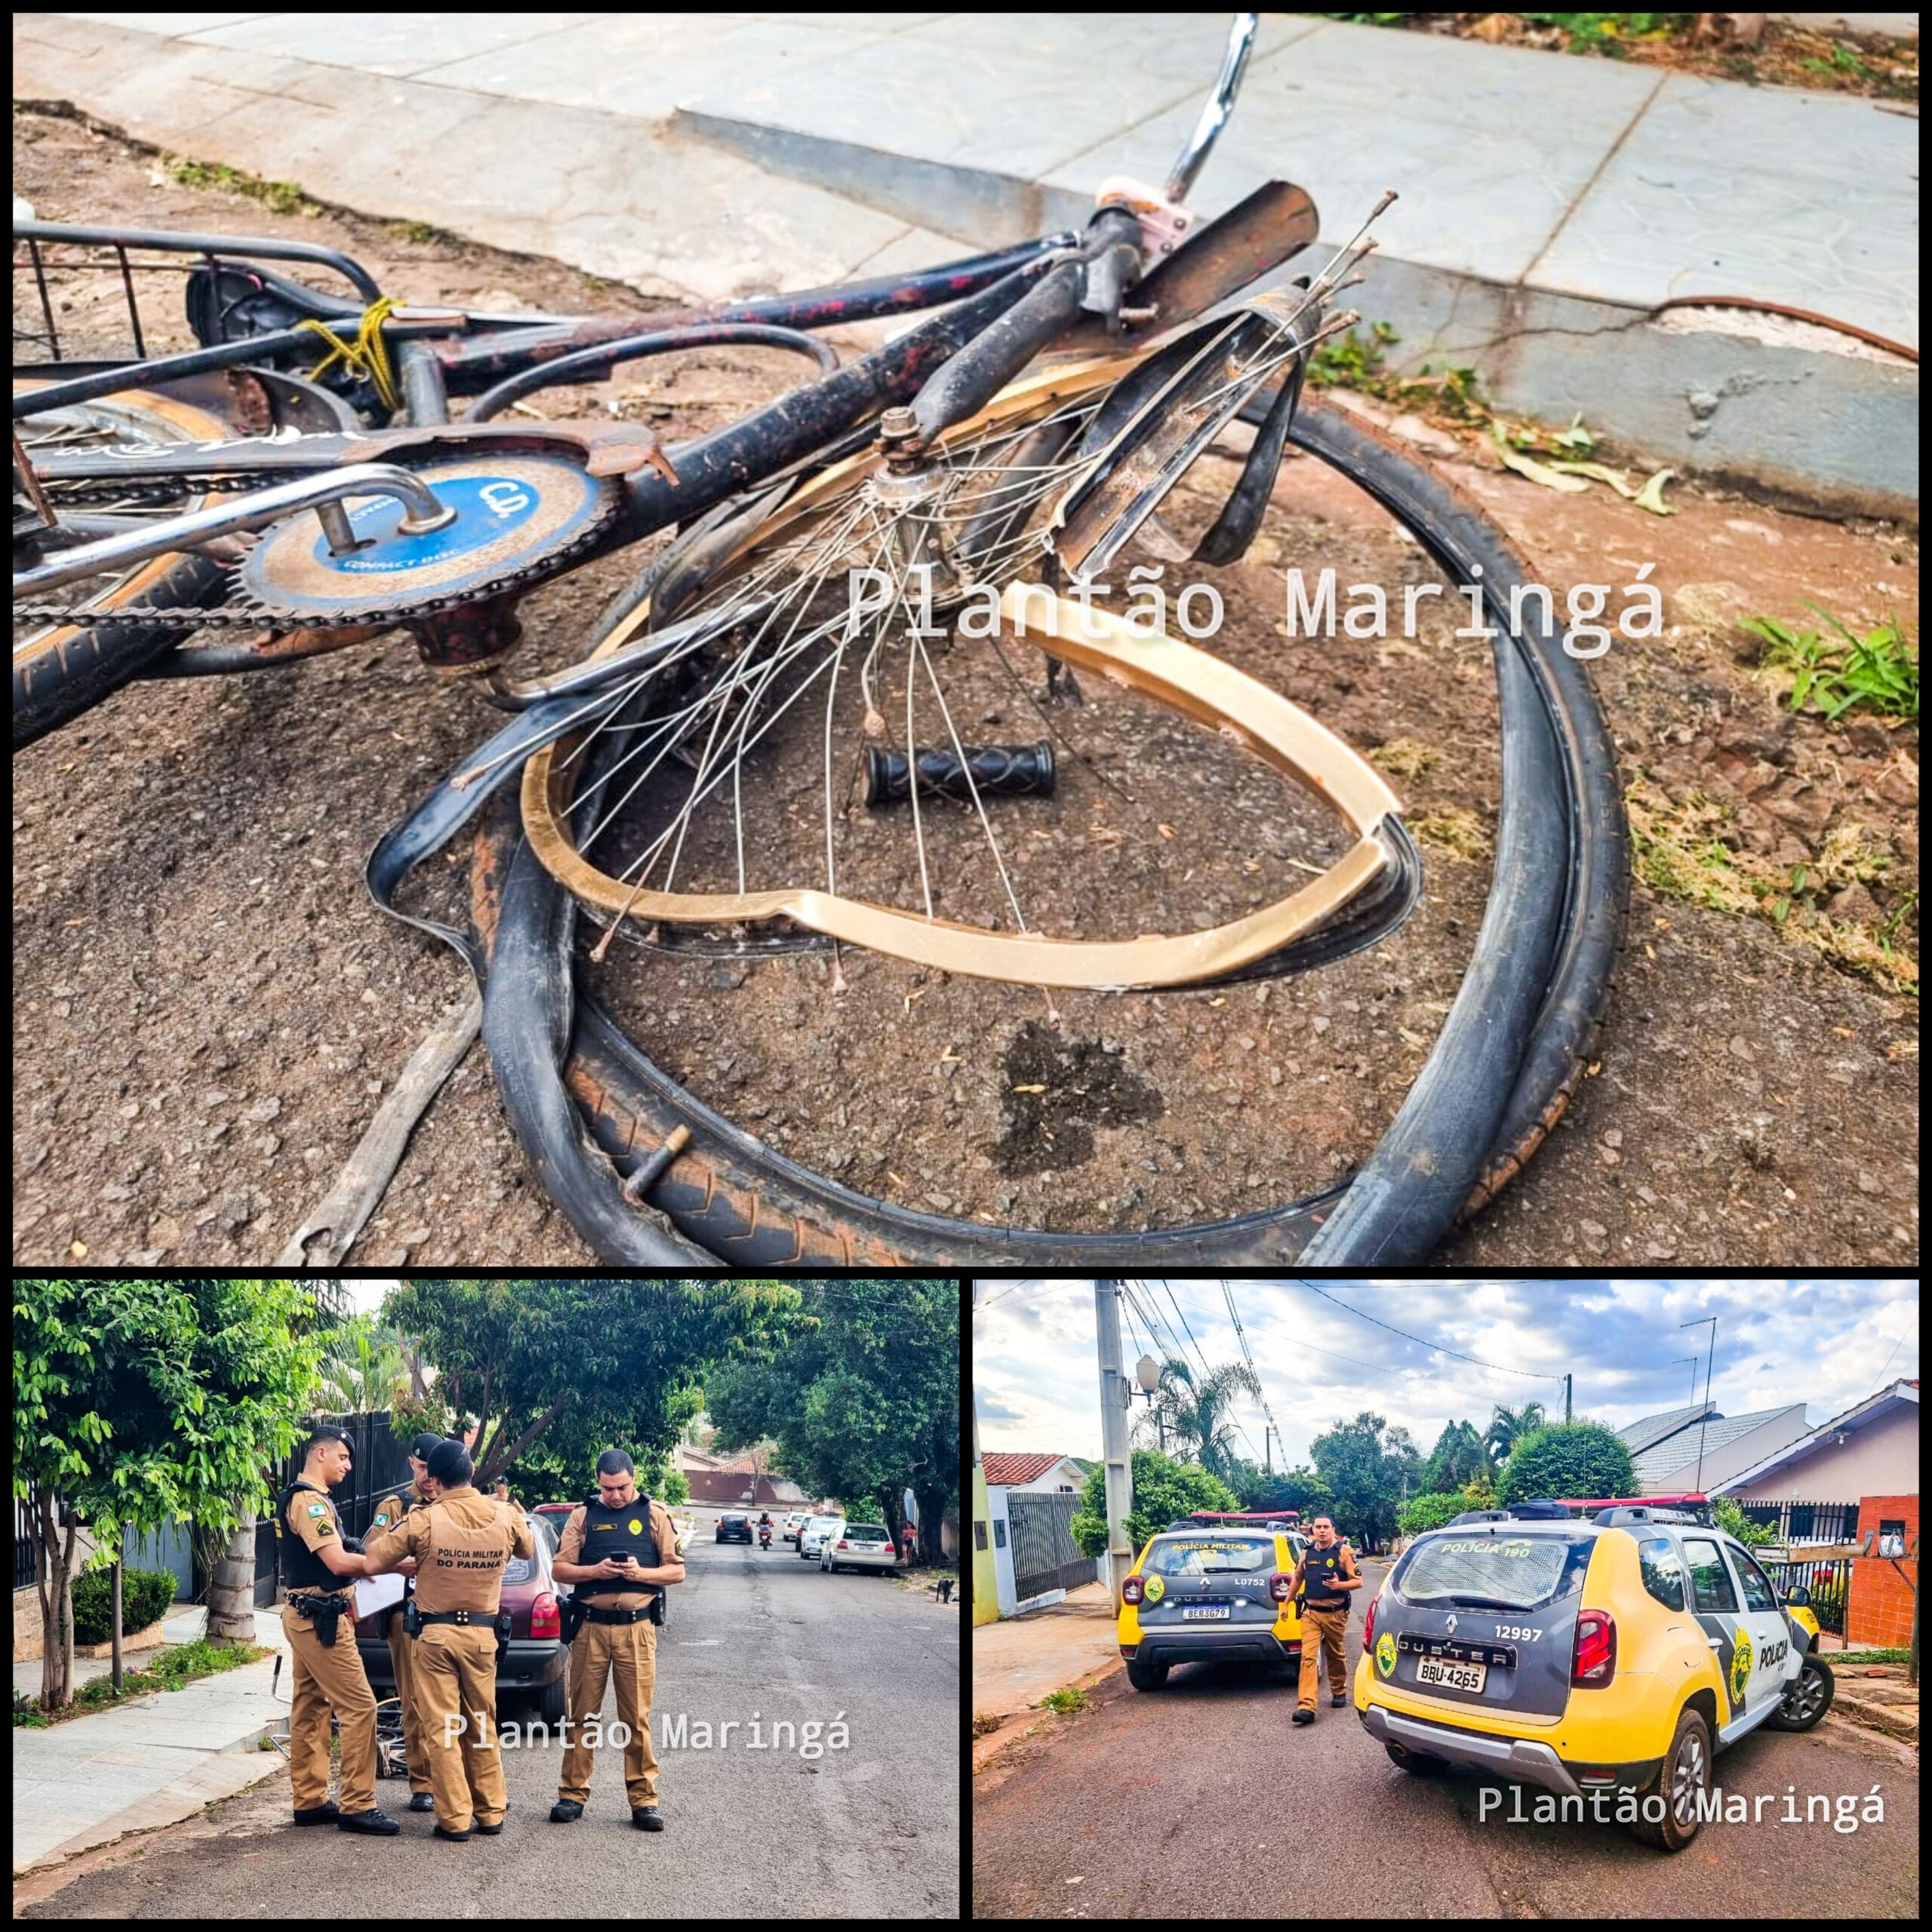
(1825, 1344)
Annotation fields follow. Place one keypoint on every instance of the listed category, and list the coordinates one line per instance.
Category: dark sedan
(734, 1528)
(533, 1663)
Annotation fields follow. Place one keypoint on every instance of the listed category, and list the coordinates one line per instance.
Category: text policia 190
(811, 1738)
(1319, 608)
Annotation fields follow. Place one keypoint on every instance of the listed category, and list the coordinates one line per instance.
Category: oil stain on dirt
(1057, 1092)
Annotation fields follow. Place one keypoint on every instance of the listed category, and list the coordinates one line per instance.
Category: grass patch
(1456, 833)
(1835, 1658)
(984, 1722)
(184, 1664)
(280, 197)
(1680, 850)
(1404, 758)
(1838, 669)
(1065, 1702)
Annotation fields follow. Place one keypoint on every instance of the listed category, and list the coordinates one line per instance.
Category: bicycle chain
(193, 617)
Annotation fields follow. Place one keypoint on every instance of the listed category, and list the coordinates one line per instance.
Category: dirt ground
(206, 1008)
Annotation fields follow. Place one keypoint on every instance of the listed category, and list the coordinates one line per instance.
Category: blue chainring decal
(486, 507)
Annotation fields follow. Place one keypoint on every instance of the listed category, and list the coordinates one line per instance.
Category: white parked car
(794, 1522)
(858, 1547)
(815, 1531)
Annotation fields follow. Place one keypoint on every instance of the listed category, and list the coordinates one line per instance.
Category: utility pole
(1115, 1396)
(1710, 1358)
(1566, 1401)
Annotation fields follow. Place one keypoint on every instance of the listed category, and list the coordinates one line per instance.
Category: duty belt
(326, 1611)
(415, 1620)
(594, 1614)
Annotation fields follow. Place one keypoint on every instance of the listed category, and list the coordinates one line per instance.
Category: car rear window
(866, 1532)
(1516, 1573)
(1203, 1556)
(518, 1569)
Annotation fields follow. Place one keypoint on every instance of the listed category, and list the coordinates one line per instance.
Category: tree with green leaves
(1728, 1516)
(861, 1398)
(1194, 1411)
(1578, 1458)
(140, 1404)
(1366, 1465)
(1164, 1491)
(1507, 1425)
(1429, 1511)
(1458, 1457)
(556, 1370)
(1298, 1489)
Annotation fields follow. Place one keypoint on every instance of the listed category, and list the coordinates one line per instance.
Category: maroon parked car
(533, 1663)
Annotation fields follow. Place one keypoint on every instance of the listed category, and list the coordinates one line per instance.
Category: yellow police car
(1212, 1589)
(1616, 1653)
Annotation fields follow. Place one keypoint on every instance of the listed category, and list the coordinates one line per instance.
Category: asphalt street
(871, 1830)
(1201, 1800)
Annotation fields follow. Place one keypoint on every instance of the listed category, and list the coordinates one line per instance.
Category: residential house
(1031, 1497)
(1852, 1482)
(1698, 1448)
(735, 1480)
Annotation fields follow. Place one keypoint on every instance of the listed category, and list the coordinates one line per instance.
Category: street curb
(1883, 1718)
(1021, 1724)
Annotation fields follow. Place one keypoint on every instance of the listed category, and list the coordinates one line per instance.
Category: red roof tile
(1003, 1466)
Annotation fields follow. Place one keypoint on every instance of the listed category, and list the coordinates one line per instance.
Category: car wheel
(1807, 1698)
(1146, 1676)
(1681, 1784)
(550, 1702)
(1417, 1764)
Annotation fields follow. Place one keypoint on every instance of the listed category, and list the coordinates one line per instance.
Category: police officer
(320, 1626)
(1327, 1573)
(618, 1550)
(461, 1542)
(389, 1512)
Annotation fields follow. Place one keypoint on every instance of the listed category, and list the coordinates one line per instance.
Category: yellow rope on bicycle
(365, 355)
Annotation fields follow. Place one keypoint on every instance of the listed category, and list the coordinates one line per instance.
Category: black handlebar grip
(997, 770)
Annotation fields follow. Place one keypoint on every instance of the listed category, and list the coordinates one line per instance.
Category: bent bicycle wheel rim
(743, 1200)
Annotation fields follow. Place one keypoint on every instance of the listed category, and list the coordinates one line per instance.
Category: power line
(1169, 1287)
(1248, 1355)
(1438, 1347)
(1164, 1334)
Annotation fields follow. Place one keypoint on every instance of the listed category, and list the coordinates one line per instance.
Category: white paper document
(375, 1593)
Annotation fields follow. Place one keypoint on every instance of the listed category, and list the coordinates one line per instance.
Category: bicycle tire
(68, 670)
(744, 1203)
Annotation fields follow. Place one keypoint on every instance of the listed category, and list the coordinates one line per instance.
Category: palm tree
(1507, 1427)
(367, 1367)
(1195, 1410)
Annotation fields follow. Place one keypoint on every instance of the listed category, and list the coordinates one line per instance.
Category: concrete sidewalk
(1017, 1661)
(91, 1780)
(1550, 203)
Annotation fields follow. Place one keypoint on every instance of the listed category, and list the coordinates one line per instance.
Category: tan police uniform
(461, 1543)
(627, 1652)
(1325, 1619)
(326, 1676)
(389, 1512)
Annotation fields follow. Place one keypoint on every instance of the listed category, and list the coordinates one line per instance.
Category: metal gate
(1044, 1554)
(379, 1466)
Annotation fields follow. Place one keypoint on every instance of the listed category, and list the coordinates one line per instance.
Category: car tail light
(1594, 1660)
(1130, 1591)
(544, 1618)
(1277, 1585)
(841, 1544)
(1368, 1626)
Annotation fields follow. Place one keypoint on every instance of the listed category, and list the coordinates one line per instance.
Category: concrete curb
(1887, 1719)
(1021, 1724)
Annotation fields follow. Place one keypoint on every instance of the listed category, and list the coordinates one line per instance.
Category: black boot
(565, 1810)
(379, 1824)
(1339, 1699)
(1304, 1717)
(319, 1814)
(646, 1818)
(442, 1831)
(422, 1800)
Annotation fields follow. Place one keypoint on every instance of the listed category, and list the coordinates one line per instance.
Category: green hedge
(1581, 1459)
(145, 1596)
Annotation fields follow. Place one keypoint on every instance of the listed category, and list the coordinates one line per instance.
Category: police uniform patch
(636, 1526)
(316, 1509)
(382, 1519)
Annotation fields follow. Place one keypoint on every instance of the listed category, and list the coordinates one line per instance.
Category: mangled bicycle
(865, 696)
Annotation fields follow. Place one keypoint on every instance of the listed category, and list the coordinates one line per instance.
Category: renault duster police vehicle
(1615, 1653)
(1212, 1589)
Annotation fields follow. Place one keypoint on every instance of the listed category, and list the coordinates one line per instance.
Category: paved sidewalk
(91, 1780)
(1017, 1661)
(1549, 202)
